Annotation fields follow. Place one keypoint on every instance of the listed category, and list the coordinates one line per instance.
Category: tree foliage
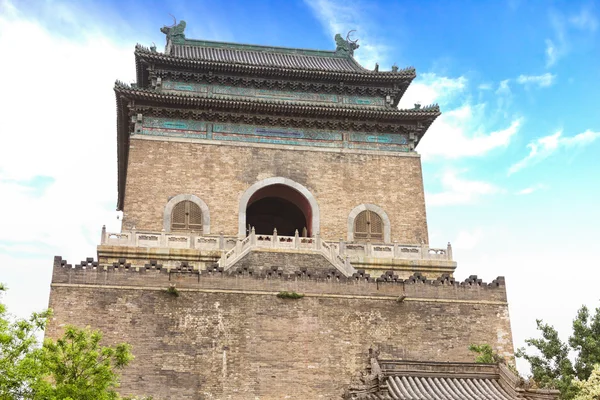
(20, 363)
(74, 367)
(551, 366)
(590, 388)
(485, 354)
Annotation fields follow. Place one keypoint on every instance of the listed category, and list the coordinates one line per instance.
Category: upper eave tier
(269, 62)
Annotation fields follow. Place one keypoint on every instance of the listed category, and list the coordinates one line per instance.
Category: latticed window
(186, 216)
(368, 225)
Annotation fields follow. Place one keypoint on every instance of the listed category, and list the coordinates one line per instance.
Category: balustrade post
(133, 238)
(162, 241)
(318, 241)
(342, 248)
(103, 236)
(449, 252)
(424, 251)
(221, 241)
(252, 237)
(347, 263)
(275, 237)
(368, 248)
(396, 255)
(238, 246)
(296, 240)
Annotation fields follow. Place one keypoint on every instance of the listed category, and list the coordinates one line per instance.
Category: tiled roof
(418, 380)
(417, 388)
(268, 58)
(267, 105)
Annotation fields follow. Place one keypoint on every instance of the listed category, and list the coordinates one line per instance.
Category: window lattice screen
(368, 225)
(186, 216)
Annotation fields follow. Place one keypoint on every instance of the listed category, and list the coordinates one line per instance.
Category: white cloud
(466, 240)
(64, 130)
(461, 130)
(430, 88)
(544, 147)
(457, 190)
(552, 53)
(543, 80)
(340, 17)
(531, 189)
(504, 88)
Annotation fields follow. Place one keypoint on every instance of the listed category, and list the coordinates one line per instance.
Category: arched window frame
(194, 199)
(377, 210)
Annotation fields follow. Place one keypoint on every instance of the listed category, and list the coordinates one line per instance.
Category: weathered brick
(220, 174)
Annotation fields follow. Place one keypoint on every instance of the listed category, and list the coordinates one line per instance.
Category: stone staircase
(294, 246)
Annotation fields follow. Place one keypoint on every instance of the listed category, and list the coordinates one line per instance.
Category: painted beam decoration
(168, 86)
(191, 129)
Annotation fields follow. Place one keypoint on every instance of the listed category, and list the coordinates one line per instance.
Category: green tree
(550, 363)
(74, 366)
(590, 388)
(485, 354)
(80, 368)
(20, 361)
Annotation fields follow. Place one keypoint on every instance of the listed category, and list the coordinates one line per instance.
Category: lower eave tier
(276, 107)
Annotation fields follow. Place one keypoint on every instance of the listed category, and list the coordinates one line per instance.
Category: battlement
(308, 281)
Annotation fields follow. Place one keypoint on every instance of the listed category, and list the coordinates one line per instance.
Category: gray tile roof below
(266, 58)
(428, 388)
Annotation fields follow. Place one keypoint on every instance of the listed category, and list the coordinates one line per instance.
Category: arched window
(368, 225)
(186, 216)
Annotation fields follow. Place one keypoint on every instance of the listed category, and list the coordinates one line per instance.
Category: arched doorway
(278, 206)
(278, 203)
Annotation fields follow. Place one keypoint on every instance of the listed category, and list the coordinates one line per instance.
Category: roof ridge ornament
(175, 31)
(346, 46)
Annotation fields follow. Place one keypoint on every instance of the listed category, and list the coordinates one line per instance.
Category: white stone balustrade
(234, 247)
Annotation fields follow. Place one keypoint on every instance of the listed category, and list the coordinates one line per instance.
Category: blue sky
(511, 168)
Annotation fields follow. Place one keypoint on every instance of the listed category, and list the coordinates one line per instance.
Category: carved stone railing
(234, 246)
(183, 240)
(399, 251)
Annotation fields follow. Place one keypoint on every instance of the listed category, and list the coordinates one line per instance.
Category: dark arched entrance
(279, 206)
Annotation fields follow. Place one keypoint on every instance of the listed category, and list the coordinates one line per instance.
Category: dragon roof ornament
(346, 46)
(175, 31)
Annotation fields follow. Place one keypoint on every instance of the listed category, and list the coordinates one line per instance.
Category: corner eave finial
(346, 46)
(175, 31)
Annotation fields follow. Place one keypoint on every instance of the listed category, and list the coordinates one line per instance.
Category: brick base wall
(232, 338)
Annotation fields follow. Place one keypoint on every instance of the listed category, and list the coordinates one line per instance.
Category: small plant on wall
(290, 295)
(172, 290)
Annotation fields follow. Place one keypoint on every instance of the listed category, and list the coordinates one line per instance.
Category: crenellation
(306, 279)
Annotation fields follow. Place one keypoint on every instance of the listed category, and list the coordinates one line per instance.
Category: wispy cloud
(585, 20)
(457, 190)
(560, 45)
(531, 189)
(504, 88)
(462, 130)
(546, 146)
(543, 80)
(430, 88)
(338, 16)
